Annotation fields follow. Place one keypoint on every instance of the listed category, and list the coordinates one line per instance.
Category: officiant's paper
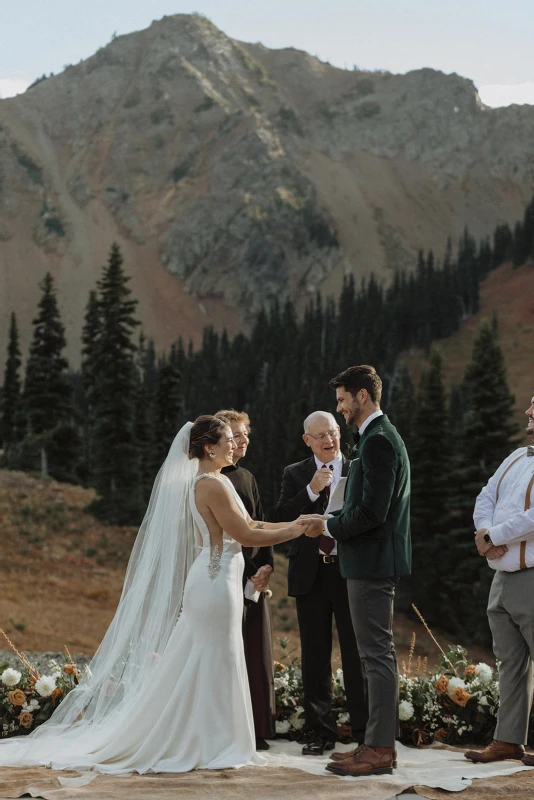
(250, 592)
(338, 497)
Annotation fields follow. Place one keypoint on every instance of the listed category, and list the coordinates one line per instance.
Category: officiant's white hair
(319, 415)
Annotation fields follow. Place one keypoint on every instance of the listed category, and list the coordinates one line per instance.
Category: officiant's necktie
(326, 543)
(530, 449)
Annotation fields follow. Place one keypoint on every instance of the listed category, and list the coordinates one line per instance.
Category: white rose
(484, 673)
(342, 719)
(339, 676)
(45, 686)
(406, 710)
(282, 726)
(10, 677)
(455, 683)
(296, 721)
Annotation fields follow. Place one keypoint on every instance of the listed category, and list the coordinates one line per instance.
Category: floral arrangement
(455, 704)
(27, 698)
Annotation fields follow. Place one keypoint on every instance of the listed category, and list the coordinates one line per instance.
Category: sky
(489, 41)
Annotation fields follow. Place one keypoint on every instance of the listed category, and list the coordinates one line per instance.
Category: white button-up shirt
(506, 519)
(337, 463)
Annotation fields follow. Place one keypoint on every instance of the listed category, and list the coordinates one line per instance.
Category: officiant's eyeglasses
(322, 436)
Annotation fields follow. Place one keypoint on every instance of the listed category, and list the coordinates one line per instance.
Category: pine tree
(112, 399)
(430, 458)
(168, 408)
(11, 390)
(90, 337)
(144, 407)
(489, 433)
(51, 433)
(47, 389)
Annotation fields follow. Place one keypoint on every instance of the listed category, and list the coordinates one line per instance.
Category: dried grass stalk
(445, 656)
(21, 657)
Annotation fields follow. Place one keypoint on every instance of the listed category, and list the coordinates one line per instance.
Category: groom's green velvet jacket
(373, 527)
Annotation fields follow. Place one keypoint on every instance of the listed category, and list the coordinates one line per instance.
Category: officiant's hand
(323, 477)
(261, 578)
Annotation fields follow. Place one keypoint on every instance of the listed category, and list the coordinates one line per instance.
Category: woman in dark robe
(257, 625)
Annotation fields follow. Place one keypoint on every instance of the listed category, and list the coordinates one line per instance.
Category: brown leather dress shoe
(496, 751)
(365, 761)
(528, 759)
(339, 756)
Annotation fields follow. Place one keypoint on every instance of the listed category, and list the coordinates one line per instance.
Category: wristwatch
(487, 537)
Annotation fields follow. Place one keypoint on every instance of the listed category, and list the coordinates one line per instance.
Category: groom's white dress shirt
(337, 464)
(505, 517)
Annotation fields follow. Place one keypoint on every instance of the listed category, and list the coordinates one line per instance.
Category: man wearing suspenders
(504, 518)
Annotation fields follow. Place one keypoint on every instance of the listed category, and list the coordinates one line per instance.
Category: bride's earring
(212, 455)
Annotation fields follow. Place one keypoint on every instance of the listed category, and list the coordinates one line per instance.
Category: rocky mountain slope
(230, 173)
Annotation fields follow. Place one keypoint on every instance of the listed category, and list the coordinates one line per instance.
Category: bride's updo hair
(206, 430)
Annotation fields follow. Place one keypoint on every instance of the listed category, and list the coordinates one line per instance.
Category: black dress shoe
(316, 747)
(261, 744)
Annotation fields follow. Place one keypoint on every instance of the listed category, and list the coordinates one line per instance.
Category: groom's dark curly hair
(355, 378)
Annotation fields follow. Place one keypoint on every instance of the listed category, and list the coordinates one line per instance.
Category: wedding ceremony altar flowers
(27, 698)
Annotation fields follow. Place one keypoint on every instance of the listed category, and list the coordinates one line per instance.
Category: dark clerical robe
(257, 628)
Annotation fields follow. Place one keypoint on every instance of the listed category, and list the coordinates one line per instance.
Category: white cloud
(500, 94)
(12, 85)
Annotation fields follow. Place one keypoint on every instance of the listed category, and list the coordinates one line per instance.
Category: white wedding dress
(196, 712)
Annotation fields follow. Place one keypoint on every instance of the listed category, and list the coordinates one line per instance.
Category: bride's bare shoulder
(211, 487)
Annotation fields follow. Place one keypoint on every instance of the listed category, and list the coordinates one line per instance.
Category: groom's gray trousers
(371, 609)
(511, 619)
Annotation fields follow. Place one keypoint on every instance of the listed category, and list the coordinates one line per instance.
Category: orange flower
(70, 669)
(441, 684)
(460, 696)
(26, 719)
(279, 667)
(56, 693)
(17, 697)
(470, 670)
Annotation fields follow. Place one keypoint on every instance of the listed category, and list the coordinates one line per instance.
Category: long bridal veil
(126, 660)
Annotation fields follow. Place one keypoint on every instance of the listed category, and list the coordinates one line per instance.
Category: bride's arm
(226, 512)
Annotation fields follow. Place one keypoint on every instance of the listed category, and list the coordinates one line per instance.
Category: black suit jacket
(294, 500)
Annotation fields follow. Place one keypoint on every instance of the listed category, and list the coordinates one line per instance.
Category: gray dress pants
(511, 619)
(371, 608)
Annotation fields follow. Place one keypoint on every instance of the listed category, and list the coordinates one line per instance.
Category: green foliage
(288, 121)
(133, 99)
(325, 112)
(182, 170)
(10, 397)
(162, 114)
(47, 389)
(487, 437)
(54, 225)
(112, 398)
(364, 87)
(255, 68)
(367, 110)
(205, 105)
(35, 172)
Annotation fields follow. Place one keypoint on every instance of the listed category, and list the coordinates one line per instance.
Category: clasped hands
(261, 579)
(313, 524)
(489, 551)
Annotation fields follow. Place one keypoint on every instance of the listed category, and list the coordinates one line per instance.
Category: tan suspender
(523, 545)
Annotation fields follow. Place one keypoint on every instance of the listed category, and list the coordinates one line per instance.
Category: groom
(373, 535)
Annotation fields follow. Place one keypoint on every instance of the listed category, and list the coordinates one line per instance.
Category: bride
(167, 689)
